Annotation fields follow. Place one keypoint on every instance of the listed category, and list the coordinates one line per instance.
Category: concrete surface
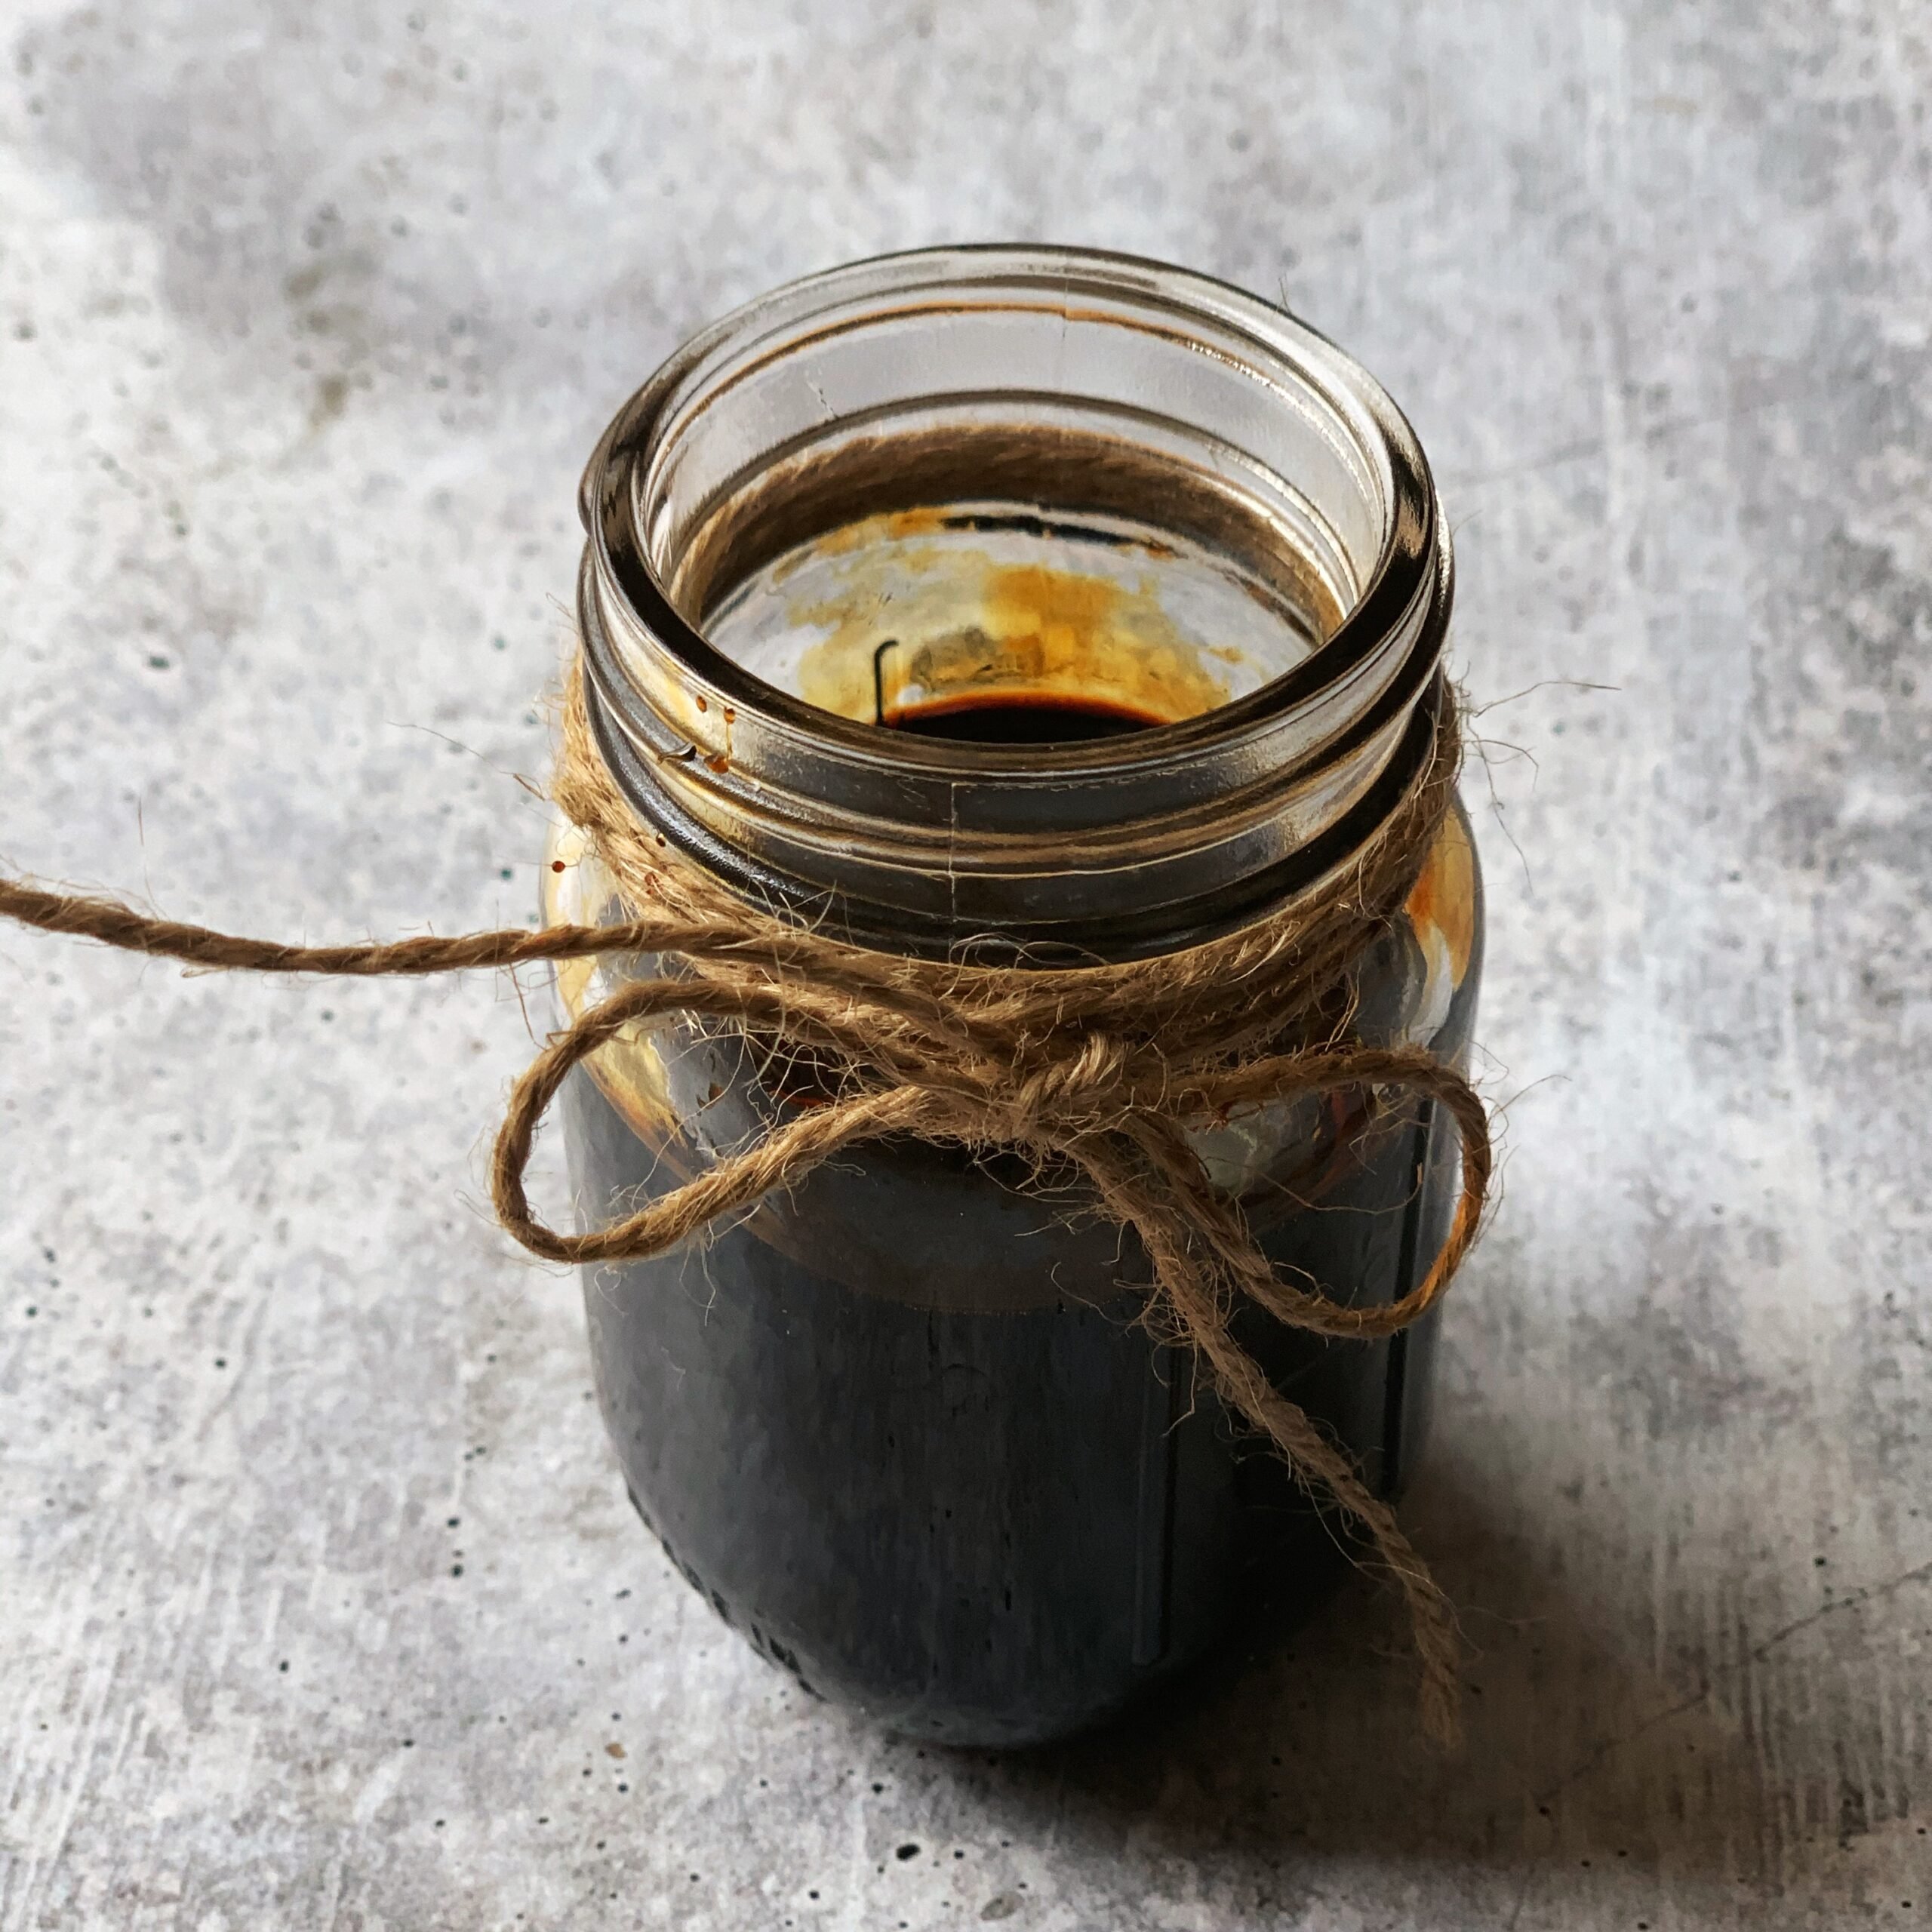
(320, 1603)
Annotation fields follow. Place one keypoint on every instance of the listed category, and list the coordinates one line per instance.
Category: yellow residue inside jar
(908, 622)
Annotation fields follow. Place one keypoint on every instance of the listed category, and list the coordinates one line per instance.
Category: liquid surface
(1029, 719)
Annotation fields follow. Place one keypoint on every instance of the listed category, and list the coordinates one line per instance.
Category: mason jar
(1043, 607)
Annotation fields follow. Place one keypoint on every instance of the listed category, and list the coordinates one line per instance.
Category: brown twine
(1097, 1067)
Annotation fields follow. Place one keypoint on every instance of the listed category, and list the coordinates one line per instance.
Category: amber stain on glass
(918, 623)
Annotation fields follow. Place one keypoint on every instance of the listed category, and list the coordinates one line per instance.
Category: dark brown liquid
(904, 1433)
(1037, 718)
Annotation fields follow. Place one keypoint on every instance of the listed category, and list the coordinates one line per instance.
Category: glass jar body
(901, 1425)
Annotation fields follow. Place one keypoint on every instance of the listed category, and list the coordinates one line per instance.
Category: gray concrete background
(320, 1604)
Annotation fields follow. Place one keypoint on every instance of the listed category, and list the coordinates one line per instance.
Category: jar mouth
(1098, 430)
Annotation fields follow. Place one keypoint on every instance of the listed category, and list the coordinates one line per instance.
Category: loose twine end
(1100, 1068)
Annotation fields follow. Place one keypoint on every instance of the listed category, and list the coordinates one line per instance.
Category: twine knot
(1054, 1098)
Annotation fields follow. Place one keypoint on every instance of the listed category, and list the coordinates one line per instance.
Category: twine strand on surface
(1097, 1069)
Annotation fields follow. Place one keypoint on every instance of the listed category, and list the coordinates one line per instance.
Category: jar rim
(659, 687)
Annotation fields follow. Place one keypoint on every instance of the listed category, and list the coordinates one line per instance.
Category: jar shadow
(1307, 1747)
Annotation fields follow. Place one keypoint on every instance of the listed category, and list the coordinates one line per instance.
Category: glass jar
(1035, 606)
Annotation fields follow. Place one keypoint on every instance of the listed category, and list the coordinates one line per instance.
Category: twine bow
(1098, 1070)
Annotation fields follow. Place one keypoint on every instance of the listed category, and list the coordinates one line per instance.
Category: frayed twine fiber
(1100, 1067)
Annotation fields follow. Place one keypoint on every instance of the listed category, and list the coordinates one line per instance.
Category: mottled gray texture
(321, 1603)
